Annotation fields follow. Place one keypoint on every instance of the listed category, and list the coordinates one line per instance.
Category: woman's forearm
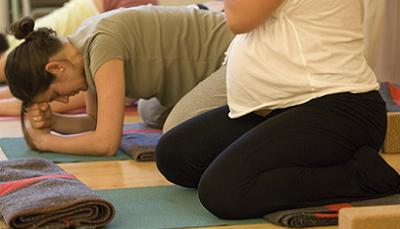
(72, 124)
(75, 102)
(10, 107)
(89, 143)
(5, 93)
(3, 58)
(245, 15)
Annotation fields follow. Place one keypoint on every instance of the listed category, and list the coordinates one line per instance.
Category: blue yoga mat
(16, 148)
(162, 207)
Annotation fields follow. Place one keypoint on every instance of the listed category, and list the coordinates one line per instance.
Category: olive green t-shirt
(166, 50)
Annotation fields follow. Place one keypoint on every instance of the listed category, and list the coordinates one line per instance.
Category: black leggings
(321, 152)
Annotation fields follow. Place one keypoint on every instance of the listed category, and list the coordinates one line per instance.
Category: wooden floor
(123, 174)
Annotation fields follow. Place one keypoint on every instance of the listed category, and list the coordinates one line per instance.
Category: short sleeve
(102, 49)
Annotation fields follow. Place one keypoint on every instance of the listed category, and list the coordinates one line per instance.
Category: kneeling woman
(141, 52)
(304, 121)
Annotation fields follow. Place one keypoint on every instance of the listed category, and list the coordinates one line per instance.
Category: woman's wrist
(41, 140)
(53, 120)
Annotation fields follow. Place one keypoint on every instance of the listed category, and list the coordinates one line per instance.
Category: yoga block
(392, 139)
(375, 217)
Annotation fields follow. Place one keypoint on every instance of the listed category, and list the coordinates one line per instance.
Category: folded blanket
(139, 141)
(394, 90)
(390, 93)
(35, 193)
(324, 215)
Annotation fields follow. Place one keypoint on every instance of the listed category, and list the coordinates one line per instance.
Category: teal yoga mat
(162, 207)
(16, 148)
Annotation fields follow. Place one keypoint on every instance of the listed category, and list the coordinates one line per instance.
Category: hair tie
(29, 36)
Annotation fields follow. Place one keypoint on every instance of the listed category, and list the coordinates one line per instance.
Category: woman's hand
(40, 116)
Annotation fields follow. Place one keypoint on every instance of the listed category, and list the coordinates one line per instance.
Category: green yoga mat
(162, 207)
(16, 148)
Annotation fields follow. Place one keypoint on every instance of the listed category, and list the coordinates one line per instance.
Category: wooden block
(375, 217)
(392, 139)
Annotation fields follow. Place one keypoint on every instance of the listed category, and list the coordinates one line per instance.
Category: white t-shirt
(306, 49)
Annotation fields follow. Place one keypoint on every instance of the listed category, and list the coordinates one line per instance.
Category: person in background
(139, 52)
(304, 121)
(73, 12)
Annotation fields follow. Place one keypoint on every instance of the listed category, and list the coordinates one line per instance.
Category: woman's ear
(54, 67)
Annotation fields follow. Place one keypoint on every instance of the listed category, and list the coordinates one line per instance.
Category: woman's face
(68, 82)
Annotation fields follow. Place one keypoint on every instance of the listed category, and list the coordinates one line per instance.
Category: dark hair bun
(22, 28)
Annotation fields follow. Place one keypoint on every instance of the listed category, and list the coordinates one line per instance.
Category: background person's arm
(10, 106)
(3, 58)
(5, 92)
(77, 123)
(245, 15)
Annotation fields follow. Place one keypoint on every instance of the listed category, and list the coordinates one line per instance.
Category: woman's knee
(173, 163)
(223, 198)
(167, 158)
(215, 199)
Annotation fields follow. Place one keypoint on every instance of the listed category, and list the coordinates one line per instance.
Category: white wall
(388, 65)
(4, 15)
(382, 38)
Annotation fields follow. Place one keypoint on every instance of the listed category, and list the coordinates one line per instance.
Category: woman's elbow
(111, 150)
(237, 27)
(108, 148)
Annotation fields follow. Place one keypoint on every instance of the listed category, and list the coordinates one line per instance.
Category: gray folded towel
(139, 141)
(35, 193)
